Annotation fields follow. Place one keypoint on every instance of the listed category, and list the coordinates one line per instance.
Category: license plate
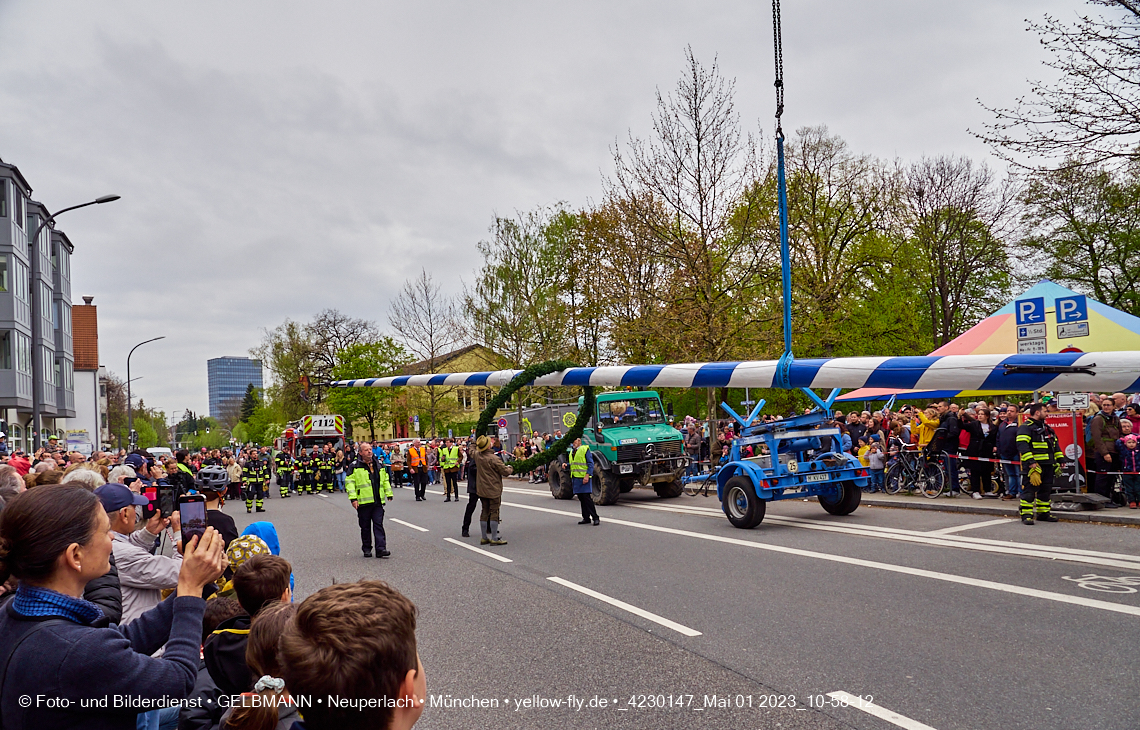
(815, 478)
(625, 468)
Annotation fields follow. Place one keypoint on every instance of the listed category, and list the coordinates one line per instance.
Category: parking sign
(1072, 309)
(1030, 311)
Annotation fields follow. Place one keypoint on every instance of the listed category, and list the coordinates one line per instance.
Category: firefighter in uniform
(325, 465)
(305, 473)
(257, 473)
(449, 462)
(1041, 461)
(284, 464)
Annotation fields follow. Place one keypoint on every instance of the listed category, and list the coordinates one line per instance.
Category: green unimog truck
(632, 444)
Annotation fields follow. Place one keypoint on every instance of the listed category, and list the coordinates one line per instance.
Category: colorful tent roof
(1110, 330)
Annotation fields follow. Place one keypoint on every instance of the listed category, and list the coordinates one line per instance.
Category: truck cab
(632, 445)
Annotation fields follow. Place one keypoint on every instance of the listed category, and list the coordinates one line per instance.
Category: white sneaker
(975, 495)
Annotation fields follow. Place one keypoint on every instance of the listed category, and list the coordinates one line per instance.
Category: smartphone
(192, 511)
(152, 506)
(166, 500)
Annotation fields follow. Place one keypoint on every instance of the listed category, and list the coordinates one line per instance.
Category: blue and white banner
(1107, 372)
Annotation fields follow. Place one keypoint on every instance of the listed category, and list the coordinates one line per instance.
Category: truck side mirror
(669, 408)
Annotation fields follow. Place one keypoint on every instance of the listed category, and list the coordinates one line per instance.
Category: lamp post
(37, 306)
(130, 408)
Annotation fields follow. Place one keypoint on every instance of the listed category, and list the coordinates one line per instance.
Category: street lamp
(130, 409)
(37, 306)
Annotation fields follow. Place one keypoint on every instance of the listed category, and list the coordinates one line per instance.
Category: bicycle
(914, 469)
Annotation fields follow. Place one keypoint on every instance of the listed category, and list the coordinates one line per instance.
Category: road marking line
(409, 524)
(936, 539)
(971, 526)
(500, 558)
(679, 628)
(880, 712)
(904, 569)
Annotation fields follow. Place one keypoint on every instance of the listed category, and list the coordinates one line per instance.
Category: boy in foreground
(355, 642)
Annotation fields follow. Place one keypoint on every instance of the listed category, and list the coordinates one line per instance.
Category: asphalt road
(937, 620)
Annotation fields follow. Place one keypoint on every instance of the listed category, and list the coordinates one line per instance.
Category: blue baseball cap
(115, 496)
(134, 461)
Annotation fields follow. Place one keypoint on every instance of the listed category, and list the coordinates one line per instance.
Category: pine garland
(526, 377)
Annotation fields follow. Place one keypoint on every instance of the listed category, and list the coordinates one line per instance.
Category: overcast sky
(277, 158)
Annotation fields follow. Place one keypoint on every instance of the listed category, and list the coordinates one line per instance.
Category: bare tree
(331, 332)
(958, 216)
(1092, 113)
(688, 188)
(429, 325)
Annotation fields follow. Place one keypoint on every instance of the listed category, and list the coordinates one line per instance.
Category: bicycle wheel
(895, 478)
(932, 480)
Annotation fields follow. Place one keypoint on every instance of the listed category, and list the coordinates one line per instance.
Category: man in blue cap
(142, 576)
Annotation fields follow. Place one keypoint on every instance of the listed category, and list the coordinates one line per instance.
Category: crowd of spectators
(108, 621)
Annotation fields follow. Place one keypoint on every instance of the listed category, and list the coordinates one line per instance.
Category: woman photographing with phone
(54, 540)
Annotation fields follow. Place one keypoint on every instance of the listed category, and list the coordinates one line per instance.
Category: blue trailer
(796, 457)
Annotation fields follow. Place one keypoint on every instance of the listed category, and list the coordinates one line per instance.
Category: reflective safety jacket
(449, 458)
(365, 486)
(1037, 444)
(417, 457)
(580, 462)
(283, 462)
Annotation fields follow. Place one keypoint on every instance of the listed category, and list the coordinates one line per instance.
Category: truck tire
(846, 503)
(606, 487)
(741, 505)
(668, 490)
(561, 485)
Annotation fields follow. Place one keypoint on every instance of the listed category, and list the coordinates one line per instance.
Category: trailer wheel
(668, 490)
(606, 487)
(741, 505)
(846, 503)
(561, 485)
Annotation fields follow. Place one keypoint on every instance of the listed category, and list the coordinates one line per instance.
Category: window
(3, 273)
(54, 256)
(484, 398)
(66, 311)
(102, 420)
(56, 315)
(102, 390)
(23, 353)
(68, 375)
(51, 369)
(58, 373)
(18, 206)
(45, 301)
(5, 350)
(64, 262)
(20, 280)
(3, 198)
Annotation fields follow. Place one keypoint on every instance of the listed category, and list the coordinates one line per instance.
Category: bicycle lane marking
(880, 712)
(1110, 560)
(888, 567)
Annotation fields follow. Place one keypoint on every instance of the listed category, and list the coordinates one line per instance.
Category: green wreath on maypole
(526, 377)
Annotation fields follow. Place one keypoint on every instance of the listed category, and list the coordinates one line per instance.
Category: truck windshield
(631, 412)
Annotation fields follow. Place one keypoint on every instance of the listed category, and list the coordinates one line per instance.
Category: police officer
(449, 462)
(257, 476)
(581, 470)
(284, 463)
(1041, 460)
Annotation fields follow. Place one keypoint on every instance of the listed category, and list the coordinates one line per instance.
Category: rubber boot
(483, 528)
(495, 534)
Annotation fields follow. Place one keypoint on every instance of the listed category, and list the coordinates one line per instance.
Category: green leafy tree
(1084, 231)
(374, 406)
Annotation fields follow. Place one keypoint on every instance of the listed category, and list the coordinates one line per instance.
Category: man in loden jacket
(368, 490)
(489, 473)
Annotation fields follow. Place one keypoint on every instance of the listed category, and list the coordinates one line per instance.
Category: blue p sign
(1072, 309)
(1030, 311)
